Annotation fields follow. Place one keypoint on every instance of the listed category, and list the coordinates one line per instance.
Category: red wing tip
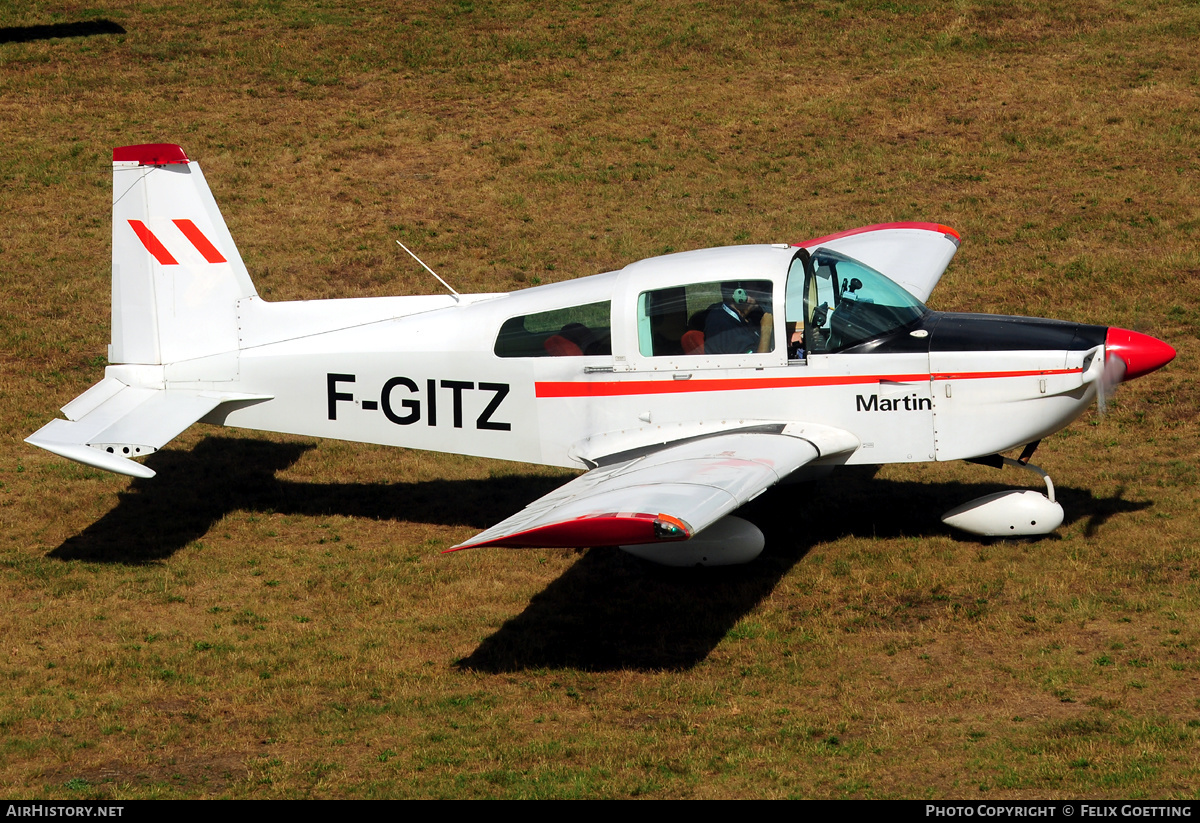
(592, 531)
(150, 154)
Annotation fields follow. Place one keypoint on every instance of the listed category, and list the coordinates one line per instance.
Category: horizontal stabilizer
(112, 422)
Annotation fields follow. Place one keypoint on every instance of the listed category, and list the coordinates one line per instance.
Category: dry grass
(272, 618)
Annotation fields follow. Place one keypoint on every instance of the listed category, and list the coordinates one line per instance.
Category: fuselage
(569, 373)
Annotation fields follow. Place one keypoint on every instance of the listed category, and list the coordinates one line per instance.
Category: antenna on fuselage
(455, 294)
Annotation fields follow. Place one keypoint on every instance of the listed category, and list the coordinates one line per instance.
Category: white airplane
(684, 385)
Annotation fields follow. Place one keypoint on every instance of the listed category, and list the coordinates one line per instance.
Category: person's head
(739, 297)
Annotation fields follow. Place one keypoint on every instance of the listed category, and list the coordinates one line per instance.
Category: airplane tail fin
(177, 283)
(177, 275)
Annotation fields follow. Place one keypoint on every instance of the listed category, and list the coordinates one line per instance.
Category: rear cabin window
(576, 331)
(680, 320)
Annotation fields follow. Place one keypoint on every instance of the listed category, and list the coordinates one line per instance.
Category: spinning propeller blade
(1106, 387)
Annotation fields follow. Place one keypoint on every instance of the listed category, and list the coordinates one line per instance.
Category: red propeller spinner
(1141, 353)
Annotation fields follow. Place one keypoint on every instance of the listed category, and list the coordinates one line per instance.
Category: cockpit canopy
(847, 303)
(750, 306)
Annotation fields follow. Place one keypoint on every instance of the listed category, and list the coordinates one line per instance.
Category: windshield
(848, 302)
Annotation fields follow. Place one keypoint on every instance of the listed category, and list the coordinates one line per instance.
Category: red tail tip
(1141, 352)
(150, 154)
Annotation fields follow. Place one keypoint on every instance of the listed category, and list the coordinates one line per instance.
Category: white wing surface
(669, 494)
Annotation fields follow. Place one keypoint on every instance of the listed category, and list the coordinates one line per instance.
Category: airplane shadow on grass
(609, 610)
(50, 31)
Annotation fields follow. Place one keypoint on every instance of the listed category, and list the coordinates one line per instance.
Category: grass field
(272, 617)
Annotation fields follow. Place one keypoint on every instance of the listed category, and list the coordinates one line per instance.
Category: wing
(913, 254)
(668, 494)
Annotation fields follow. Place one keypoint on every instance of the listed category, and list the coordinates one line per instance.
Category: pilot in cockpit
(741, 323)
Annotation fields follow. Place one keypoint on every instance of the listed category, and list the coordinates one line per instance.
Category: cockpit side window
(720, 317)
(847, 302)
(575, 331)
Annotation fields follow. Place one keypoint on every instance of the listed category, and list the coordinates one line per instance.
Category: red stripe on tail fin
(152, 244)
(200, 241)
